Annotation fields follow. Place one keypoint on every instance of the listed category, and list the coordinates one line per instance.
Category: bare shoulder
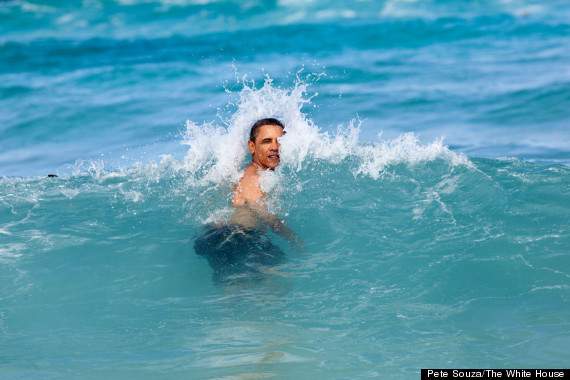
(248, 188)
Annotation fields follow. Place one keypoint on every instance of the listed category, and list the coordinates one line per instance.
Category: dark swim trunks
(236, 255)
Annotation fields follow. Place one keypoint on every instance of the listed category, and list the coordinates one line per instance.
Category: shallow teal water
(419, 252)
(431, 265)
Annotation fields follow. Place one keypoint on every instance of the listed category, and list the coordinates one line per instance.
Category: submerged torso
(246, 217)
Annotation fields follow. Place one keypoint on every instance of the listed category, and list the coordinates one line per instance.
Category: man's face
(265, 149)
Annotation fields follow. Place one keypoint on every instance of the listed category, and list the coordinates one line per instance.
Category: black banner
(495, 374)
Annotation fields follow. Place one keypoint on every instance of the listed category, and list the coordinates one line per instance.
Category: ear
(251, 146)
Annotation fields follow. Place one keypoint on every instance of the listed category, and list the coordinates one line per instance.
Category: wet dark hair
(262, 122)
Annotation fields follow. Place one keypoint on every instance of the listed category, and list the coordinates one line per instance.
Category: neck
(259, 167)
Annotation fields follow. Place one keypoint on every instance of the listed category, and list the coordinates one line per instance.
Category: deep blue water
(425, 168)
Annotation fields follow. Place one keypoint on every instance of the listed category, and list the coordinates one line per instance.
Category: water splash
(216, 152)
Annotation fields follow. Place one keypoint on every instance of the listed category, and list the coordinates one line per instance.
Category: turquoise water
(425, 169)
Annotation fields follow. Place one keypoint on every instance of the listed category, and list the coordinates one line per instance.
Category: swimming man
(238, 252)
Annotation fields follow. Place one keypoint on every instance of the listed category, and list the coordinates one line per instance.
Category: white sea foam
(10, 252)
(34, 8)
(217, 152)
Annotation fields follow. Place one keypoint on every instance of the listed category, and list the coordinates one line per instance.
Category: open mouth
(273, 157)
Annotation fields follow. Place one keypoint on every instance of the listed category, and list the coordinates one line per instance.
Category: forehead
(266, 131)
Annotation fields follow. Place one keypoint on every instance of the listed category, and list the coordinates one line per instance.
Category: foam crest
(407, 149)
(217, 153)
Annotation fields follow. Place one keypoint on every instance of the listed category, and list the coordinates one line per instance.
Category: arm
(278, 225)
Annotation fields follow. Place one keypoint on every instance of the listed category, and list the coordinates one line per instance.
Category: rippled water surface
(425, 168)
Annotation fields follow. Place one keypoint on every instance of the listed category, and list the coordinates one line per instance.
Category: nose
(274, 145)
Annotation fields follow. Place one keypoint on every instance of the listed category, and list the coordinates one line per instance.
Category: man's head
(263, 143)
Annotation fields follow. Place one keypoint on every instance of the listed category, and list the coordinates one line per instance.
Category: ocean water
(425, 168)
